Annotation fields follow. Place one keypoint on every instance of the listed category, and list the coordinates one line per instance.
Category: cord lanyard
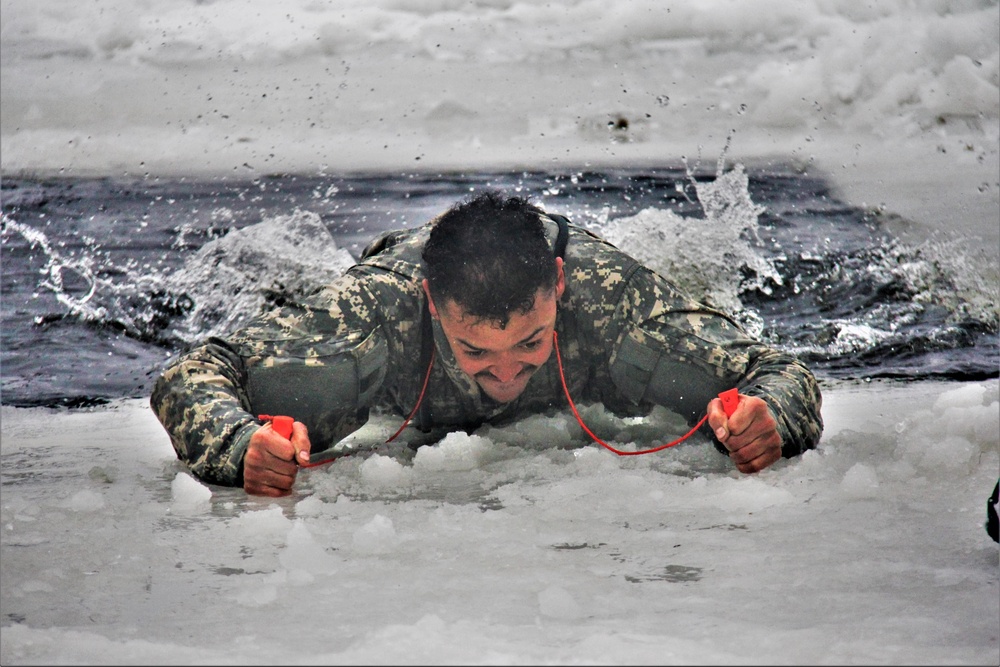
(730, 399)
(620, 452)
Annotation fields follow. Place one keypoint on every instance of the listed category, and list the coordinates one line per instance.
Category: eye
(531, 345)
(474, 354)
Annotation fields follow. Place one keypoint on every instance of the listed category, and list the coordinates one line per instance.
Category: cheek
(538, 357)
(471, 366)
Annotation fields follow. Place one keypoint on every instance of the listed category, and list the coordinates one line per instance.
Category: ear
(430, 301)
(561, 279)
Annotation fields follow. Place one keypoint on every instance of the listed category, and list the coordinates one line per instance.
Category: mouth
(525, 372)
(515, 384)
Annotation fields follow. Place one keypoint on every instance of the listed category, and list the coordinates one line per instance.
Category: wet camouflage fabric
(628, 339)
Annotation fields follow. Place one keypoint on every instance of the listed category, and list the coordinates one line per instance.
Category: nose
(506, 370)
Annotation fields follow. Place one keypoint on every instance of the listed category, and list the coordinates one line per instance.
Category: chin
(504, 396)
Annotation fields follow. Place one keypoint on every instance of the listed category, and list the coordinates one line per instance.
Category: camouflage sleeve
(321, 359)
(201, 402)
(791, 392)
(670, 350)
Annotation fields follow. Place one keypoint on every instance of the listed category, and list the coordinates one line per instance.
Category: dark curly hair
(490, 255)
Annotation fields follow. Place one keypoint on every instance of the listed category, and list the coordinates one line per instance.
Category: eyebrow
(520, 342)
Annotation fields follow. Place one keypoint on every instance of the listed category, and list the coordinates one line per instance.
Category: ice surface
(490, 548)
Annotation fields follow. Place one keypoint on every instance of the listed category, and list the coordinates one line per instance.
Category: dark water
(89, 312)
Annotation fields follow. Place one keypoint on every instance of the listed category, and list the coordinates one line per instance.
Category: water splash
(230, 279)
(891, 300)
(867, 299)
(714, 258)
(55, 266)
(99, 293)
(226, 282)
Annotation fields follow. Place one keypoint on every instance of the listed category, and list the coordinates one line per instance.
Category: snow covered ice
(500, 549)
(524, 544)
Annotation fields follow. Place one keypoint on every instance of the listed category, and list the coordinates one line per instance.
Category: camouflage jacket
(628, 339)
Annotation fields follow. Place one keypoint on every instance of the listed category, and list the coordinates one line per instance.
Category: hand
(272, 462)
(751, 434)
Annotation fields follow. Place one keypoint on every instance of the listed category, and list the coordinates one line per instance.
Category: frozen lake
(525, 544)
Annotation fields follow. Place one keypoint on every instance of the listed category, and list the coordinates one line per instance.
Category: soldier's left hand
(751, 434)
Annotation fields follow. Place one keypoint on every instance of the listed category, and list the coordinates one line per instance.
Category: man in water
(455, 324)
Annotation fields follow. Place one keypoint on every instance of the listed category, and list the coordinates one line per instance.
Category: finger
(751, 420)
(277, 463)
(749, 465)
(269, 440)
(717, 420)
(758, 453)
(269, 478)
(267, 483)
(274, 472)
(269, 453)
(301, 443)
(258, 489)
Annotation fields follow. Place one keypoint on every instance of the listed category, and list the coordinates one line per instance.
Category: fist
(750, 435)
(272, 461)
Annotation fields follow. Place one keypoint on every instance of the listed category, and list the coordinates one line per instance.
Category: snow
(522, 544)
(502, 549)
(187, 493)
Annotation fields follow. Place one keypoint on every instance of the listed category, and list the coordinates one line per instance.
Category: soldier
(455, 324)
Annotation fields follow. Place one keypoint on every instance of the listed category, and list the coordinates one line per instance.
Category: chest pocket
(327, 385)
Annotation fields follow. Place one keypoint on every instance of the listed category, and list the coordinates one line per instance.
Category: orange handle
(281, 424)
(730, 399)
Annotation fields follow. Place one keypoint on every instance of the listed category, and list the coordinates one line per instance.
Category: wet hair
(489, 254)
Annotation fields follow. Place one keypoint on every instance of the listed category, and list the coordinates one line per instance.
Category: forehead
(471, 328)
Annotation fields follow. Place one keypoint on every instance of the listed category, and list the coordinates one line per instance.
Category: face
(501, 360)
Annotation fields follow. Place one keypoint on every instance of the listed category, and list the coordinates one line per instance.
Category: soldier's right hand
(272, 461)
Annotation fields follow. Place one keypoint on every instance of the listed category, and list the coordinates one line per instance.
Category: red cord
(572, 405)
(420, 399)
(619, 452)
(315, 465)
